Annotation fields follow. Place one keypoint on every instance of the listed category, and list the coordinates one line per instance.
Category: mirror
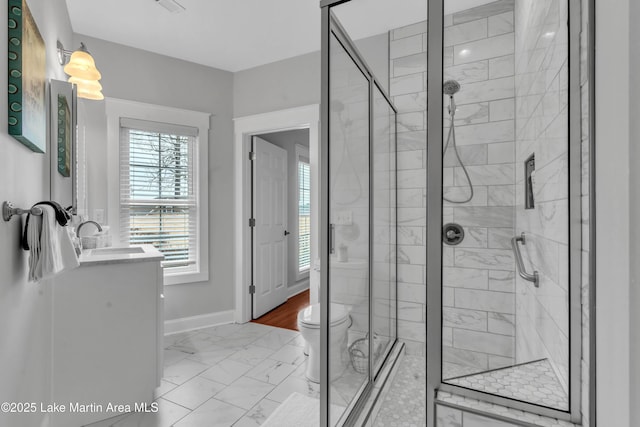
(62, 148)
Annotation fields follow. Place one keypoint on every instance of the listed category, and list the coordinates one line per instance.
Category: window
(161, 180)
(304, 214)
(158, 204)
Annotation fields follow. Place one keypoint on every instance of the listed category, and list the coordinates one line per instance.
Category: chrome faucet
(87, 222)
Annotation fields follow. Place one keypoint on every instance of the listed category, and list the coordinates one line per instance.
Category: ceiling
(235, 35)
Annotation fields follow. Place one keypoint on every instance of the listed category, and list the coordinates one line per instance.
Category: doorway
(299, 118)
(280, 226)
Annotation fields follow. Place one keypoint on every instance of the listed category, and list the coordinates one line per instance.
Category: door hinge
(252, 222)
(252, 289)
(252, 155)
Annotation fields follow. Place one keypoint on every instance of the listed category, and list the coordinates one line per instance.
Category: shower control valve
(452, 234)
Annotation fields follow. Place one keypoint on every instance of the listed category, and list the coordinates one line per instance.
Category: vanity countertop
(116, 255)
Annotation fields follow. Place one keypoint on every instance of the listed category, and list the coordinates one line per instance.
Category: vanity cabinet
(107, 335)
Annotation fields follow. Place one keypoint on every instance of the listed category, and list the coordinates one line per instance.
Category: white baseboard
(298, 288)
(186, 324)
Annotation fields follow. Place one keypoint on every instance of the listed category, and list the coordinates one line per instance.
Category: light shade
(82, 65)
(88, 89)
(84, 74)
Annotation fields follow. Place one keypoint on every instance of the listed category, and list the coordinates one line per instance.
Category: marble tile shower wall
(542, 128)
(408, 75)
(350, 187)
(478, 274)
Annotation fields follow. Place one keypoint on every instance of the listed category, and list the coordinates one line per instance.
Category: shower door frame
(331, 27)
(435, 71)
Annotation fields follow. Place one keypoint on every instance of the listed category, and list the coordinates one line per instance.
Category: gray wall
(375, 50)
(288, 141)
(634, 251)
(294, 82)
(617, 229)
(142, 76)
(284, 84)
(25, 308)
(587, 198)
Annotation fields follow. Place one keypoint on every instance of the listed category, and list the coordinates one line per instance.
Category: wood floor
(286, 315)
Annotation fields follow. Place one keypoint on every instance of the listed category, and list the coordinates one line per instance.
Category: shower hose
(452, 137)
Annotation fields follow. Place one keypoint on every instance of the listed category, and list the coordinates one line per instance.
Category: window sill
(171, 279)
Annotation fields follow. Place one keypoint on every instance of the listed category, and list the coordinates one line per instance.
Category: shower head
(450, 87)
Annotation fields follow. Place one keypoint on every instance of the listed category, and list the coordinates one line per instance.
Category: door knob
(286, 233)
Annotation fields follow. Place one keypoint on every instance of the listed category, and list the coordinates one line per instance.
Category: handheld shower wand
(450, 88)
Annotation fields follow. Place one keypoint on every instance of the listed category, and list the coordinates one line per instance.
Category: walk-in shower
(425, 196)
(509, 159)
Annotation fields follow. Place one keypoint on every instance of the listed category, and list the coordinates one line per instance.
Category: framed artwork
(64, 136)
(63, 150)
(27, 79)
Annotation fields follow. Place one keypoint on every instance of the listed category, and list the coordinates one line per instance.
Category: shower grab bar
(9, 210)
(520, 264)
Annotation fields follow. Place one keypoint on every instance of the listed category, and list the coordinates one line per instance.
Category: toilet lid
(311, 315)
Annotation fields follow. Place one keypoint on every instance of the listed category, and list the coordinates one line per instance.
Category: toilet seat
(310, 317)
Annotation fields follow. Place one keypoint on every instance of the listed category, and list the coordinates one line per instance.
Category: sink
(113, 255)
(118, 251)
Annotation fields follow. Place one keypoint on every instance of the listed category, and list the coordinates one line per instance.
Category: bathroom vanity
(107, 333)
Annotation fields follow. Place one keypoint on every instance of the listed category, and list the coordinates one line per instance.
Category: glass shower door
(362, 228)
(349, 202)
(511, 207)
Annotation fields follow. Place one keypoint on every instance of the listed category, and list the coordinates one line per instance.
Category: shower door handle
(332, 235)
(520, 264)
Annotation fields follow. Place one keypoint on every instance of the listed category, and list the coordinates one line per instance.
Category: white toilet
(309, 326)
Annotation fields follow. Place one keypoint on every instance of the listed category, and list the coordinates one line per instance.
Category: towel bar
(9, 210)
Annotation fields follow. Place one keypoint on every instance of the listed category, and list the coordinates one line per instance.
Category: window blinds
(158, 198)
(304, 218)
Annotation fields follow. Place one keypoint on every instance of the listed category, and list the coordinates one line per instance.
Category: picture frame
(27, 121)
(63, 150)
(64, 135)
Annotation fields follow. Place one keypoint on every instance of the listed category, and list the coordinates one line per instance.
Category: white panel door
(269, 239)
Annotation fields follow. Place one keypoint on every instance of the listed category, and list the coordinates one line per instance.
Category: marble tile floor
(454, 370)
(533, 382)
(404, 403)
(229, 375)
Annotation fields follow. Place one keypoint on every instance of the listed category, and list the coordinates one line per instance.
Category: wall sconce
(82, 70)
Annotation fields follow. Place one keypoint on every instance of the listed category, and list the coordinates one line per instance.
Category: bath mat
(299, 410)
(296, 411)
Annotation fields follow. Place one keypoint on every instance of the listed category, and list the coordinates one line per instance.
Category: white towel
(50, 246)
